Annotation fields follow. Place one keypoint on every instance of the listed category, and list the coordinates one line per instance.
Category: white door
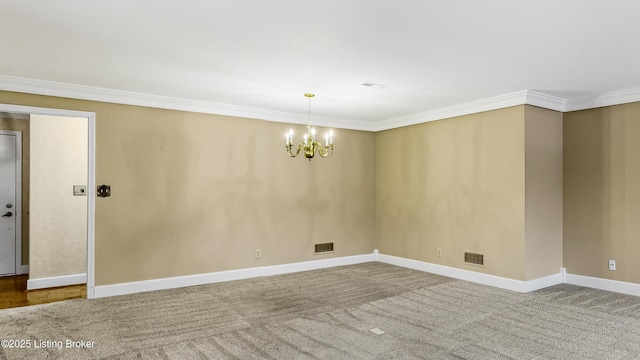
(8, 204)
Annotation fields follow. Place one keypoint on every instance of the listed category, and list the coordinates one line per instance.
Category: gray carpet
(327, 314)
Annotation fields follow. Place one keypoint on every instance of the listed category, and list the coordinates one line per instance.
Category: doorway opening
(43, 204)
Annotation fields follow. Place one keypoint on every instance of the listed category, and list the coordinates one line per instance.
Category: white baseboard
(461, 274)
(222, 276)
(515, 285)
(476, 277)
(50, 282)
(604, 284)
(545, 281)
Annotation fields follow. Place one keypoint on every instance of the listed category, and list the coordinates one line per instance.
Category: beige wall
(489, 182)
(543, 192)
(21, 123)
(195, 193)
(456, 184)
(58, 225)
(602, 192)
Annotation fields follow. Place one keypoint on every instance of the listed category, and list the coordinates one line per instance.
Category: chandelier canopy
(310, 146)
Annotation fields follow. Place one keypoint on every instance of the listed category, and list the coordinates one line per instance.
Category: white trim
(606, 99)
(91, 175)
(91, 204)
(21, 109)
(42, 87)
(604, 284)
(543, 282)
(461, 274)
(222, 276)
(530, 97)
(18, 210)
(473, 107)
(315, 264)
(545, 101)
(473, 276)
(56, 281)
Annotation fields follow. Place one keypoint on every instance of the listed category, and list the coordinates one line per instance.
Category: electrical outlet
(439, 252)
(79, 190)
(258, 254)
(612, 265)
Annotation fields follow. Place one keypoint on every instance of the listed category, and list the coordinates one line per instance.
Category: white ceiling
(262, 56)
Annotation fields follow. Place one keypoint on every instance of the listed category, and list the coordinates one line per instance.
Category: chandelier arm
(288, 146)
(325, 151)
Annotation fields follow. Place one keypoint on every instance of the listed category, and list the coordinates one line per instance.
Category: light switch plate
(79, 190)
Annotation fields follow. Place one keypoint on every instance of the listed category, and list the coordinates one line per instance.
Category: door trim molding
(91, 176)
(18, 267)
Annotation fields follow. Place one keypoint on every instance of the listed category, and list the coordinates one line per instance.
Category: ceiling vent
(371, 84)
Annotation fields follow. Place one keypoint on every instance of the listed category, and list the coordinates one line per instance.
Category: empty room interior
(285, 179)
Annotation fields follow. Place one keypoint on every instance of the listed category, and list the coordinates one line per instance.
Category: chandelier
(310, 146)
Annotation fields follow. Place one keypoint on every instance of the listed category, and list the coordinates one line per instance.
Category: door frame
(19, 269)
(91, 176)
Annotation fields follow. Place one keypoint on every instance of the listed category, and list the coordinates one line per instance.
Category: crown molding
(606, 99)
(529, 97)
(546, 101)
(493, 103)
(50, 88)
(523, 97)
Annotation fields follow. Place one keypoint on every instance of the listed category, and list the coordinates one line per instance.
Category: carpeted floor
(328, 314)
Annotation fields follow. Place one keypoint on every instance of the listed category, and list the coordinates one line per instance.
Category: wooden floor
(13, 293)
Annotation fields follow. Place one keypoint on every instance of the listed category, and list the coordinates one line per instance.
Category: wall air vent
(322, 248)
(474, 259)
